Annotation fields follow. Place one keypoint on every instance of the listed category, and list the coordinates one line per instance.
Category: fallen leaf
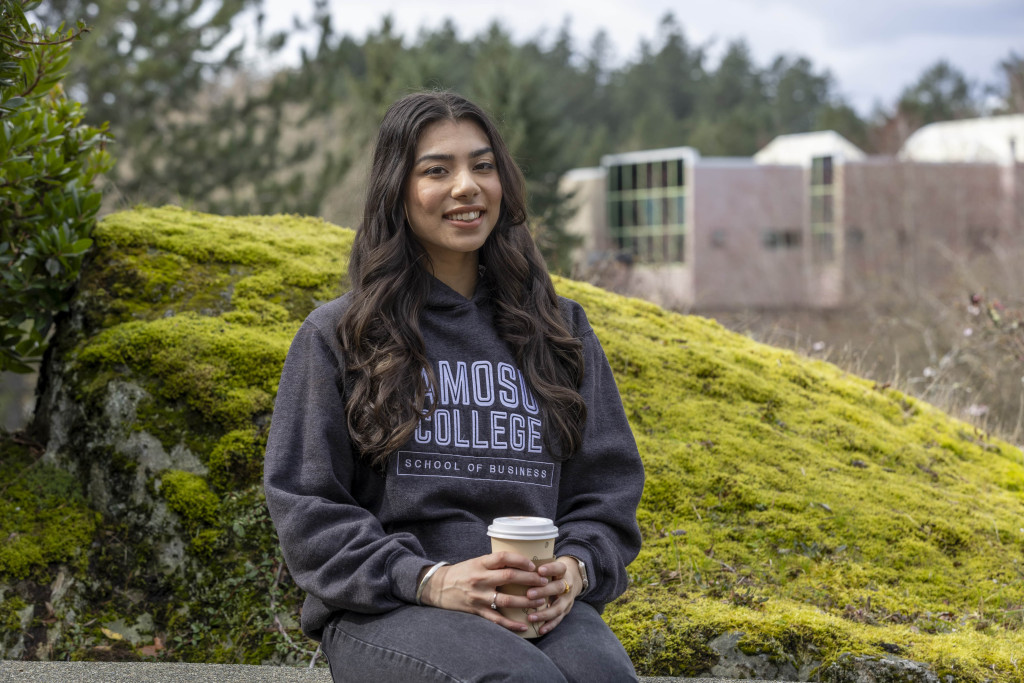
(111, 634)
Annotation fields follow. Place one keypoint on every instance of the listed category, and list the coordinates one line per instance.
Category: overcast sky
(873, 48)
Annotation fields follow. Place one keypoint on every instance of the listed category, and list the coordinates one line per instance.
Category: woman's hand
(471, 586)
(564, 584)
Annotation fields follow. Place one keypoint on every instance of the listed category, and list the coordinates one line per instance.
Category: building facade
(809, 221)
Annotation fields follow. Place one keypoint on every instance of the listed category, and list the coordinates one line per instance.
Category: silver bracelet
(426, 577)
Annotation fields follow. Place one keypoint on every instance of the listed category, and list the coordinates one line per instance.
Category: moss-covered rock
(812, 511)
(44, 518)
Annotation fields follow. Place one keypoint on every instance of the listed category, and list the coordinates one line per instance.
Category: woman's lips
(465, 219)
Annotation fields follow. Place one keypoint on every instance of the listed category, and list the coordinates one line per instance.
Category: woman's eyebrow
(451, 157)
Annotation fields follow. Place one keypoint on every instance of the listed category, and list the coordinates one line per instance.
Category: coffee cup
(533, 537)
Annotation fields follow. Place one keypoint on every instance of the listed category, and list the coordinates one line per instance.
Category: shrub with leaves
(48, 162)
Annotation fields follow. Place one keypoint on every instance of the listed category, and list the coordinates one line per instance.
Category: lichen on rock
(820, 516)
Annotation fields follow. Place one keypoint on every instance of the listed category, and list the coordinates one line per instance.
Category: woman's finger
(550, 624)
(554, 588)
(556, 609)
(501, 600)
(506, 558)
(553, 570)
(512, 601)
(552, 616)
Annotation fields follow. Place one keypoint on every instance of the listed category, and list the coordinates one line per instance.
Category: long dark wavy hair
(380, 331)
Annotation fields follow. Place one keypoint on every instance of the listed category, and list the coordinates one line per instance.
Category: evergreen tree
(191, 124)
(655, 98)
(1011, 91)
(520, 95)
(797, 94)
(735, 117)
(942, 93)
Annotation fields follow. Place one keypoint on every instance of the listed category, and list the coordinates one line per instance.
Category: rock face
(792, 514)
(885, 669)
(733, 662)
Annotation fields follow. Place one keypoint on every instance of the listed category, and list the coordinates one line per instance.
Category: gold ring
(566, 586)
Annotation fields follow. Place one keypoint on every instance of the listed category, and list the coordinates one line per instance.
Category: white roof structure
(993, 139)
(576, 175)
(798, 149)
(647, 155)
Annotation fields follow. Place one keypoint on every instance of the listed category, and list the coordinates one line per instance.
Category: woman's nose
(465, 184)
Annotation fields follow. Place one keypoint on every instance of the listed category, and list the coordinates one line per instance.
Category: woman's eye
(485, 166)
(435, 170)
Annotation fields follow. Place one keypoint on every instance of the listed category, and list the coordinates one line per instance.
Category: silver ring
(494, 601)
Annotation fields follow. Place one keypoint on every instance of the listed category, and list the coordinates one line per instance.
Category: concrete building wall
(669, 285)
(1016, 203)
(907, 224)
(588, 188)
(742, 254)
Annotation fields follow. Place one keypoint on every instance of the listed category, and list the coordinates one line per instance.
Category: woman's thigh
(585, 649)
(413, 644)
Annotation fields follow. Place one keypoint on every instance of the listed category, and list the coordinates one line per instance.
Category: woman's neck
(459, 274)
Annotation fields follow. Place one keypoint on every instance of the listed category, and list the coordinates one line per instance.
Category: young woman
(450, 387)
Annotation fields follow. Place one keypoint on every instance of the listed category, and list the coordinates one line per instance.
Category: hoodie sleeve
(336, 550)
(601, 485)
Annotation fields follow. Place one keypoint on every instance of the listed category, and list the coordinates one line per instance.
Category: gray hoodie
(356, 539)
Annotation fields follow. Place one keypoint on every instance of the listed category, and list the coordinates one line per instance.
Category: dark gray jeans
(413, 644)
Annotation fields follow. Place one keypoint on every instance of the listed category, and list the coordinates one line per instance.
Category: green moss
(10, 620)
(201, 309)
(205, 543)
(237, 459)
(44, 518)
(189, 495)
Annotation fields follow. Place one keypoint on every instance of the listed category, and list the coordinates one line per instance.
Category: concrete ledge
(148, 672)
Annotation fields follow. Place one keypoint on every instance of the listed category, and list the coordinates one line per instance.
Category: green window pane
(824, 246)
(821, 171)
(821, 208)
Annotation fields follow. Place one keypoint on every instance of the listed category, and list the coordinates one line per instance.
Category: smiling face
(453, 195)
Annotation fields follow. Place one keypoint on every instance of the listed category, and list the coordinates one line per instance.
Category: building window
(823, 226)
(824, 246)
(647, 210)
(854, 236)
(781, 239)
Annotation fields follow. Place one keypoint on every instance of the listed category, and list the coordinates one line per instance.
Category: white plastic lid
(523, 528)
